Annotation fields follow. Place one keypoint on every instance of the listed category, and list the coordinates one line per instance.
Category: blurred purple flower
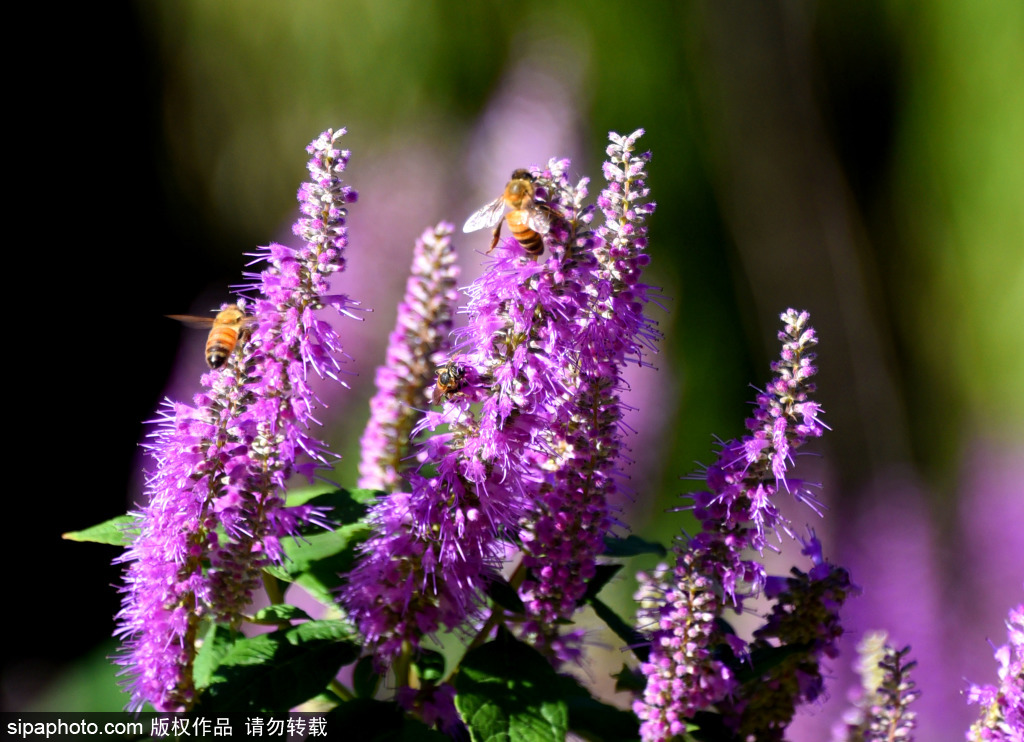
(225, 461)
(883, 711)
(416, 346)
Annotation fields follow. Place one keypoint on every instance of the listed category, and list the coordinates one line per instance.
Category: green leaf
(366, 720)
(275, 614)
(316, 560)
(631, 546)
(366, 497)
(302, 495)
(636, 642)
(429, 665)
(507, 691)
(303, 554)
(594, 720)
(765, 659)
(271, 673)
(707, 726)
(216, 643)
(504, 595)
(323, 587)
(628, 680)
(120, 530)
(365, 678)
(603, 574)
(346, 506)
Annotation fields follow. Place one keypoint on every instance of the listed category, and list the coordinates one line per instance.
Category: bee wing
(202, 323)
(538, 219)
(485, 216)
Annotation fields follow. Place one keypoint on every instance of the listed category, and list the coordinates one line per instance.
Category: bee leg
(494, 239)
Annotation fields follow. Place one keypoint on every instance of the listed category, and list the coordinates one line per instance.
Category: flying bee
(225, 329)
(451, 377)
(528, 221)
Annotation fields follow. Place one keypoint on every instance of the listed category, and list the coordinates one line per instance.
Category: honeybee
(451, 377)
(225, 329)
(528, 221)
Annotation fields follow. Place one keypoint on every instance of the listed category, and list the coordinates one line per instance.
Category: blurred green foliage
(90, 684)
(901, 118)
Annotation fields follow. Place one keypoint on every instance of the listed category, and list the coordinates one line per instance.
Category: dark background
(862, 160)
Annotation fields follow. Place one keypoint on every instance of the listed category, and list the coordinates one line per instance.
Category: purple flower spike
(737, 510)
(677, 610)
(224, 462)
(680, 609)
(599, 326)
(416, 347)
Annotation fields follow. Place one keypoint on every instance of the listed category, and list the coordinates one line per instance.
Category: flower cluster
(515, 471)
(532, 440)
(1002, 707)
(737, 510)
(223, 462)
(687, 670)
(677, 608)
(416, 346)
(436, 547)
(573, 507)
(804, 622)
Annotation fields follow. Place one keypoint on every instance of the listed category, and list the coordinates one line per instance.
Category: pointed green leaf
(301, 495)
(365, 678)
(216, 643)
(603, 574)
(504, 595)
(276, 671)
(316, 560)
(632, 681)
(507, 691)
(303, 554)
(120, 530)
(366, 496)
(323, 588)
(274, 614)
(636, 642)
(593, 720)
(631, 546)
(332, 497)
(344, 506)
